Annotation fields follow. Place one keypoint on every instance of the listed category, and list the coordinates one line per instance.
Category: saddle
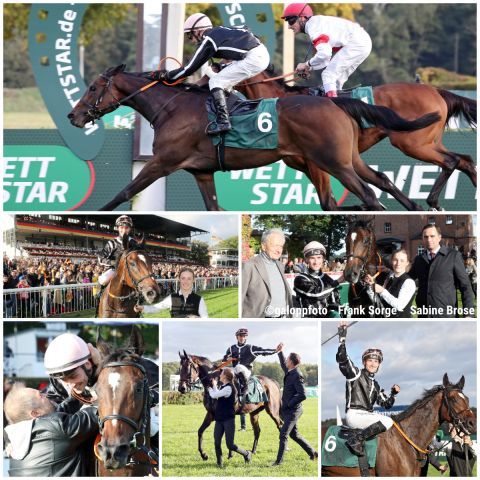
(335, 452)
(237, 105)
(255, 393)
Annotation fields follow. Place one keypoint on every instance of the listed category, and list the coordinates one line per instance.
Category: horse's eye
(132, 264)
(93, 88)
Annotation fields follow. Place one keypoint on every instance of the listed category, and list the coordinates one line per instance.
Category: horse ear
(102, 345)
(180, 355)
(185, 353)
(461, 383)
(125, 242)
(446, 381)
(114, 70)
(136, 341)
(141, 241)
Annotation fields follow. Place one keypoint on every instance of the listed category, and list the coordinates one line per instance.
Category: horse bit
(140, 427)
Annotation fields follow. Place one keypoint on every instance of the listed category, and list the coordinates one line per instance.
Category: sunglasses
(291, 20)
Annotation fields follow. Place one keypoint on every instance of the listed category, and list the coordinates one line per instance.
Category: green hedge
(177, 398)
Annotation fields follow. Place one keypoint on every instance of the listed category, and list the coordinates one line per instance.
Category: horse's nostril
(70, 115)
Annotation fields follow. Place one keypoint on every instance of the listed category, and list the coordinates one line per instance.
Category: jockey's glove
(342, 333)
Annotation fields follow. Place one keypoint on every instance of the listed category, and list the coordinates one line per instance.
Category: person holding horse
(440, 271)
(248, 56)
(182, 304)
(350, 43)
(225, 416)
(43, 442)
(316, 291)
(362, 392)
(114, 248)
(265, 291)
(293, 396)
(398, 289)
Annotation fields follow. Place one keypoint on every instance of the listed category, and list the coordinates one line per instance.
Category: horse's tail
(382, 116)
(460, 106)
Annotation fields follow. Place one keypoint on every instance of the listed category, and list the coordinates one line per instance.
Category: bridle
(139, 426)
(455, 419)
(188, 382)
(93, 111)
(136, 283)
(364, 259)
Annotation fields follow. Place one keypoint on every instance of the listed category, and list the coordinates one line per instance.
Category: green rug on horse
(335, 452)
(255, 130)
(256, 393)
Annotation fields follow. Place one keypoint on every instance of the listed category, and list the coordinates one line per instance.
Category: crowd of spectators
(51, 269)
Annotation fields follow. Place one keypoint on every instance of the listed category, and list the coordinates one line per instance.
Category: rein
(405, 436)
(266, 80)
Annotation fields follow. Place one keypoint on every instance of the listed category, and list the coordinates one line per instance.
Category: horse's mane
(121, 355)
(427, 396)
(201, 360)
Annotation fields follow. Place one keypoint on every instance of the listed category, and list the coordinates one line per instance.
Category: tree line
(405, 37)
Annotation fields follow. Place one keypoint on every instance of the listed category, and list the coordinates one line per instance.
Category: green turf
(180, 456)
(221, 303)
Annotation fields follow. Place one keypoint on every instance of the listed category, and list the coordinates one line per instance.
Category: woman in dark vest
(398, 289)
(182, 304)
(225, 416)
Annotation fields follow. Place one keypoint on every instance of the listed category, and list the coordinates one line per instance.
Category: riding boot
(244, 388)
(222, 121)
(356, 442)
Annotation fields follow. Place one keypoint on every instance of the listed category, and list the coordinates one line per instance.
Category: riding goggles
(291, 20)
(66, 375)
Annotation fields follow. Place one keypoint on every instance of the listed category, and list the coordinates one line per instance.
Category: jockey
(249, 58)
(329, 35)
(244, 355)
(114, 248)
(71, 365)
(311, 286)
(362, 392)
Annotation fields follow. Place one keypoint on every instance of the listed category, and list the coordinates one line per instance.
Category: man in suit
(293, 396)
(265, 292)
(440, 271)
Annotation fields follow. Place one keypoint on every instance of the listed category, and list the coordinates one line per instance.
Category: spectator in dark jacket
(45, 443)
(293, 396)
(440, 271)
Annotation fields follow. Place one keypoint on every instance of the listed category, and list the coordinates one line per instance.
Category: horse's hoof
(204, 456)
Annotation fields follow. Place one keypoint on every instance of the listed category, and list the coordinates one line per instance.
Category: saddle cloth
(254, 123)
(256, 393)
(335, 452)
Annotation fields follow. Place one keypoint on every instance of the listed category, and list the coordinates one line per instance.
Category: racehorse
(362, 258)
(178, 116)
(409, 100)
(124, 400)
(133, 279)
(399, 456)
(195, 369)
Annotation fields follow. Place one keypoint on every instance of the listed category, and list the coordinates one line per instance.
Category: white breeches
(255, 62)
(105, 277)
(362, 419)
(346, 61)
(242, 369)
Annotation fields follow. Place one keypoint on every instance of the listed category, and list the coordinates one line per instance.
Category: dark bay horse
(124, 401)
(178, 116)
(133, 279)
(398, 458)
(195, 369)
(409, 100)
(362, 259)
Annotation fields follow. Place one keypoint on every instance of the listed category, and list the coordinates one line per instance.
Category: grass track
(180, 456)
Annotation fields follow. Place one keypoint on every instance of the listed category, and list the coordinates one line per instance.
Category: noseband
(93, 111)
(189, 383)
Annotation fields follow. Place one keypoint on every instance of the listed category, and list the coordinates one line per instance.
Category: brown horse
(195, 369)
(133, 279)
(124, 401)
(178, 116)
(362, 258)
(398, 458)
(409, 100)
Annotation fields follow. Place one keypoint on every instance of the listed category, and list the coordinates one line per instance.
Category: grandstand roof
(154, 224)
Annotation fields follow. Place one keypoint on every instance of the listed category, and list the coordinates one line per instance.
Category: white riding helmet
(196, 21)
(314, 248)
(65, 352)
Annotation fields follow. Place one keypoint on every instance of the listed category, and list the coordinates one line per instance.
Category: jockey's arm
(205, 51)
(263, 351)
(322, 58)
(345, 364)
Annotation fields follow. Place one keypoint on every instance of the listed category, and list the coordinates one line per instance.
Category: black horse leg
(256, 430)
(207, 188)
(206, 423)
(152, 171)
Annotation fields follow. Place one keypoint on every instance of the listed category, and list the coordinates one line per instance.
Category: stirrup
(220, 128)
